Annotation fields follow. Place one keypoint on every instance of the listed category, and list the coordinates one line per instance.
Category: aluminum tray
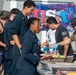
(66, 72)
(63, 71)
(49, 66)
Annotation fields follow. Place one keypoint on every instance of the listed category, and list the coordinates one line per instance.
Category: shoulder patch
(64, 33)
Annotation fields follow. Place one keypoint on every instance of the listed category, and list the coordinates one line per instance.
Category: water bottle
(49, 41)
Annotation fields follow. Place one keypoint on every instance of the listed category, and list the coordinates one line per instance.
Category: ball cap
(4, 14)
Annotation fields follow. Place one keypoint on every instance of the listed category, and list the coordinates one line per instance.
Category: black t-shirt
(60, 34)
(2, 37)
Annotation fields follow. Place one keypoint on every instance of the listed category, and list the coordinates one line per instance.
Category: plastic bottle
(49, 41)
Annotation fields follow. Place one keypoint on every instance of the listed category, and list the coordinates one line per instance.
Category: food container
(50, 65)
(63, 71)
(44, 71)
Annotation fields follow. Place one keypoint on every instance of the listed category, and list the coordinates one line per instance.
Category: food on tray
(57, 72)
(72, 73)
(58, 56)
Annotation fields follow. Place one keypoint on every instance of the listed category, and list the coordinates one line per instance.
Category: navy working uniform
(8, 51)
(27, 63)
(19, 28)
(61, 32)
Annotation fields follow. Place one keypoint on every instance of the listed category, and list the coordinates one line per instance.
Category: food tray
(63, 71)
(49, 65)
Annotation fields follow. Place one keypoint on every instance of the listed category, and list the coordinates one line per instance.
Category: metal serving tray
(49, 66)
(63, 71)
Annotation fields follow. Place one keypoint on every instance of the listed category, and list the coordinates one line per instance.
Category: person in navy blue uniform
(8, 40)
(19, 28)
(27, 63)
(4, 16)
(60, 35)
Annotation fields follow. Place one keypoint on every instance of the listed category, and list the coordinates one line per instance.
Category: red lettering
(42, 14)
(36, 13)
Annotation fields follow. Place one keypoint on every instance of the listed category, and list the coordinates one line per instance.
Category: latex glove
(46, 49)
(55, 47)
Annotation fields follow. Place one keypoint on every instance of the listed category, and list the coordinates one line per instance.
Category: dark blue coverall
(19, 28)
(8, 51)
(27, 63)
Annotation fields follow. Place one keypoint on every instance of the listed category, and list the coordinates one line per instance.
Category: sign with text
(66, 11)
